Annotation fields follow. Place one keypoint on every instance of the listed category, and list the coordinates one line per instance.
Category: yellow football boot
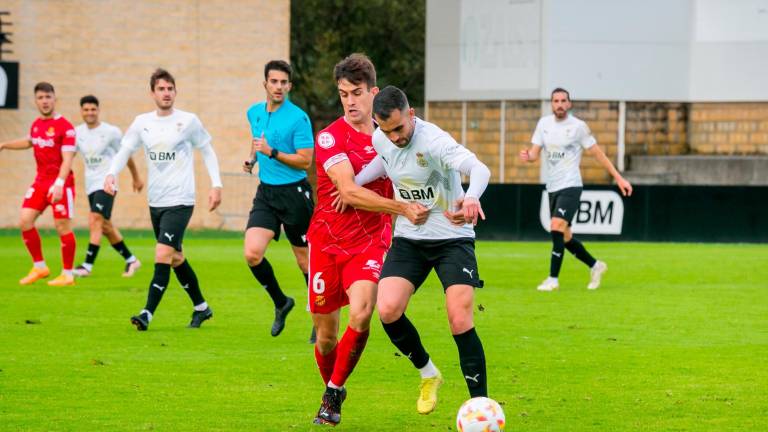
(62, 280)
(34, 275)
(428, 393)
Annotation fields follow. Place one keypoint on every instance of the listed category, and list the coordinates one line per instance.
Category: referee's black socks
(188, 280)
(266, 277)
(472, 361)
(157, 286)
(404, 336)
(577, 249)
(558, 247)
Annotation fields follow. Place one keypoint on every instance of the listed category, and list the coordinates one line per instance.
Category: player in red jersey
(346, 249)
(53, 140)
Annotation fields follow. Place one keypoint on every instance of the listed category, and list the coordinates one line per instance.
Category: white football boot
(549, 284)
(597, 274)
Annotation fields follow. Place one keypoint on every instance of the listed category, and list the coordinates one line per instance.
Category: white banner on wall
(600, 212)
(500, 46)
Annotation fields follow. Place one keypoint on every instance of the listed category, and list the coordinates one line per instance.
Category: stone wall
(216, 50)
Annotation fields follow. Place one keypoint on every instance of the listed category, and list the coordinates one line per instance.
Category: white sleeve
(211, 164)
(587, 139)
(129, 144)
(478, 173)
(371, 172)
(201, 139)
(117, 136)
(450, 153)
(538, 139)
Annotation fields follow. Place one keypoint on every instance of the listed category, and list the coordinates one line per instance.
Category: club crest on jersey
(420, 161)
(325, 140)
(50, 132)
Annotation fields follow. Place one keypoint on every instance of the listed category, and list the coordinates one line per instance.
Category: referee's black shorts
(564, 203)
(454, 261)
(170, 223)
(290, 205)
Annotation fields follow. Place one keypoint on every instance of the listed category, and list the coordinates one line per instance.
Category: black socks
(404, 336)
(158, 286)
(472, 360)
(188, 281)
(577, 249)
(558, 247)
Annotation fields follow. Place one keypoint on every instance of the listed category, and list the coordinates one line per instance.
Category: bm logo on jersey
(162, 156)
(426, 193)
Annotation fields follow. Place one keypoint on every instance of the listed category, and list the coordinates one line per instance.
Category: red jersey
(50, 137)
(352, 231)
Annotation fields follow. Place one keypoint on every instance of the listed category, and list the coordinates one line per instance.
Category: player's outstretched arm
(372, 171)
(212, 165)
(531, 154)
(138, 184)
(624, 186)
(17, 144)
(343, 176)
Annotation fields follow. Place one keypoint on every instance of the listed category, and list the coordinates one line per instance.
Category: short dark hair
(560, 90)
(278, 65)
(356, 68)
(387, 100)
(89, 99)
(160, 74)
(45, 87)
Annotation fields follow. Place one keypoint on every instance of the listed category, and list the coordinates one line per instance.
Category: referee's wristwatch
(273, 154)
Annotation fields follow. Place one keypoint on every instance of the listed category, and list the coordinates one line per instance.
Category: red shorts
(37, 198)
(331, 275)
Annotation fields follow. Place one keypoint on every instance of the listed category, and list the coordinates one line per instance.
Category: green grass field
(675, 339)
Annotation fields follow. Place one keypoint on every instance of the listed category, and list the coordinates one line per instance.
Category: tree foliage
(390, 32)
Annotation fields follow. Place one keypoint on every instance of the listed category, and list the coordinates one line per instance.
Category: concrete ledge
(699, 170)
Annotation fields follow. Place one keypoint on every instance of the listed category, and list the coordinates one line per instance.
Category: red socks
(325, 363)
(67, 250)
(349, 349)
(32, 242)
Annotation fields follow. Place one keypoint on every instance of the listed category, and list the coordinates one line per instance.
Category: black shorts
(289, 205)
(101, 203)
(454, 261)
(169, 224)
(565, 203)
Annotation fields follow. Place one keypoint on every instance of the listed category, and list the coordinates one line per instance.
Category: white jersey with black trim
(97, 146)
(562, 142)
(426, 171)
(168, 142)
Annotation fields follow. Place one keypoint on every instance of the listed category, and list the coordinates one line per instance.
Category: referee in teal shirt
(282, 147)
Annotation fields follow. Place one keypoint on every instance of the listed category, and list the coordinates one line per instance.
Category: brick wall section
(483, 133)
(729, 128)
(521, 119)
(214, 49)
(656, 128)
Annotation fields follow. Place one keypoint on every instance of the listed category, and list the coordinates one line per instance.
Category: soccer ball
(480, 414)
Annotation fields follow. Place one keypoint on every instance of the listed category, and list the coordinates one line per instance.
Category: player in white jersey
(98, 142)
(168, 136)
(563, 138)
(424, 164)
